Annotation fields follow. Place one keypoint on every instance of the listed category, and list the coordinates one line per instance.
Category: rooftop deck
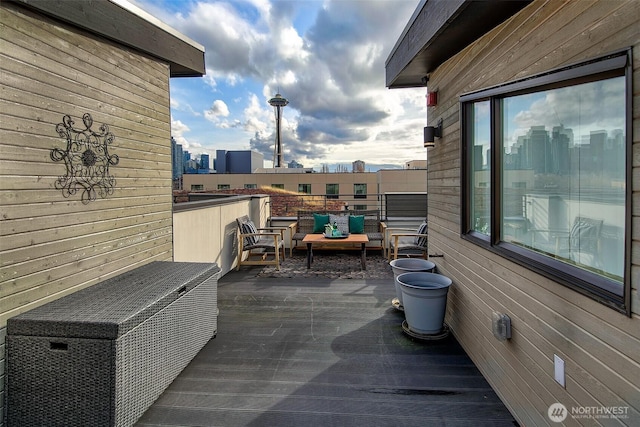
(320, 348)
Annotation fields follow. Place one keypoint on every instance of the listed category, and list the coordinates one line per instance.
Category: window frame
(581, 280)
(356, 194)
(335, 195)
(302, 188)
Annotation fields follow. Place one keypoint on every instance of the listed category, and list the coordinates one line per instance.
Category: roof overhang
(127, 24)
(438, 30)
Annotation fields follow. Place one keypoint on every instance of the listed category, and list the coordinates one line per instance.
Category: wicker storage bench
(103, 355)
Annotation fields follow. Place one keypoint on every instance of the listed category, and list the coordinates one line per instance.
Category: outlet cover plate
(558, 370)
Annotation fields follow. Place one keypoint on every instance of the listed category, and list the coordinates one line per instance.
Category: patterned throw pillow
(421, 240)
(583, 235)
(250, 227)
(342, 221)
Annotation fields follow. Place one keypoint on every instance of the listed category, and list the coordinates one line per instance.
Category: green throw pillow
(319, 221)
(356, 224)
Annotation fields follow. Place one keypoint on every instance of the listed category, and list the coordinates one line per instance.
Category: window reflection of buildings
(551, 165)
(599, 159)
(549, 180)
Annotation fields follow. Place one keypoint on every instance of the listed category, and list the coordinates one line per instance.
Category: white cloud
(210, 79)
(217, 112)
(331, 70)
(290, 45)
(178, 129)
(219, 108)
(256, 117)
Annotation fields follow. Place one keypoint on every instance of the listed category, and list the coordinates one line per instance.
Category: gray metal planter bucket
(424, 296)
(408, 265)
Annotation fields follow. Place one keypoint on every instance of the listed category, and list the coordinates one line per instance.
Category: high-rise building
(186, 156)
(238, 161)
(177, 160)
(204, 162)
(190, 166)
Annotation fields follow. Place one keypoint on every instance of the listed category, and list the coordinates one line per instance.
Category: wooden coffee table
(352, 240)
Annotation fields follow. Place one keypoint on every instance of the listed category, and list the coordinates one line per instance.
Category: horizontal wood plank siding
(53, 245)
(599, 345)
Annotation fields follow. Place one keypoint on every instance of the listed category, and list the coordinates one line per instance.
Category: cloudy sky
(326, 57)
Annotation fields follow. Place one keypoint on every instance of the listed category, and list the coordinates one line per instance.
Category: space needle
(278, 103)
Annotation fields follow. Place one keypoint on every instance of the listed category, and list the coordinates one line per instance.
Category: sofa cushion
(356, 224)
(375, 236)
(319, 221)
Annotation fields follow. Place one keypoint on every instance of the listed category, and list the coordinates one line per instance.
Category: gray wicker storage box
(103, 355)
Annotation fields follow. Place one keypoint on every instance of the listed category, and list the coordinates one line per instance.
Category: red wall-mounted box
(432, 99)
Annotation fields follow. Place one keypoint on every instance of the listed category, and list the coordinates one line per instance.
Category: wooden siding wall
(600, 347)
(51, 245)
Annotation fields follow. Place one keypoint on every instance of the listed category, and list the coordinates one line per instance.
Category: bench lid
(111, 308)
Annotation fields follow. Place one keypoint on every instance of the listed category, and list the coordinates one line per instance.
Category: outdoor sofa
(372, 226)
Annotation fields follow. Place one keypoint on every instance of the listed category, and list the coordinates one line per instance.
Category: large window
(359, 191)
(304, 188)
(480, 166)
(333, 190)
(547, 174)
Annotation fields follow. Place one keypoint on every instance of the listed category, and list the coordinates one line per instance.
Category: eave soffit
(126, 24)
(438, 30)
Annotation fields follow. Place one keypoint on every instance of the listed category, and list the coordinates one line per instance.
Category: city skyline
(326, 57)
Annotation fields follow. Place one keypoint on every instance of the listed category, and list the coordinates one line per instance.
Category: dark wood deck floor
(322, 352)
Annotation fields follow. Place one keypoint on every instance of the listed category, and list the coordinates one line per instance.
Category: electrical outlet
(501, 326)
(558, 370)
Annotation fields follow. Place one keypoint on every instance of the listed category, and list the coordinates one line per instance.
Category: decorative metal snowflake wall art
(87, 160)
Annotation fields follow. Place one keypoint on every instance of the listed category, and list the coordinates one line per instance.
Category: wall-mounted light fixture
(431, 133)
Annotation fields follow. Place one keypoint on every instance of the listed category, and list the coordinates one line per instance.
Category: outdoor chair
(408, 242)
(260, 243)
(584, 241)
(581, 244)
